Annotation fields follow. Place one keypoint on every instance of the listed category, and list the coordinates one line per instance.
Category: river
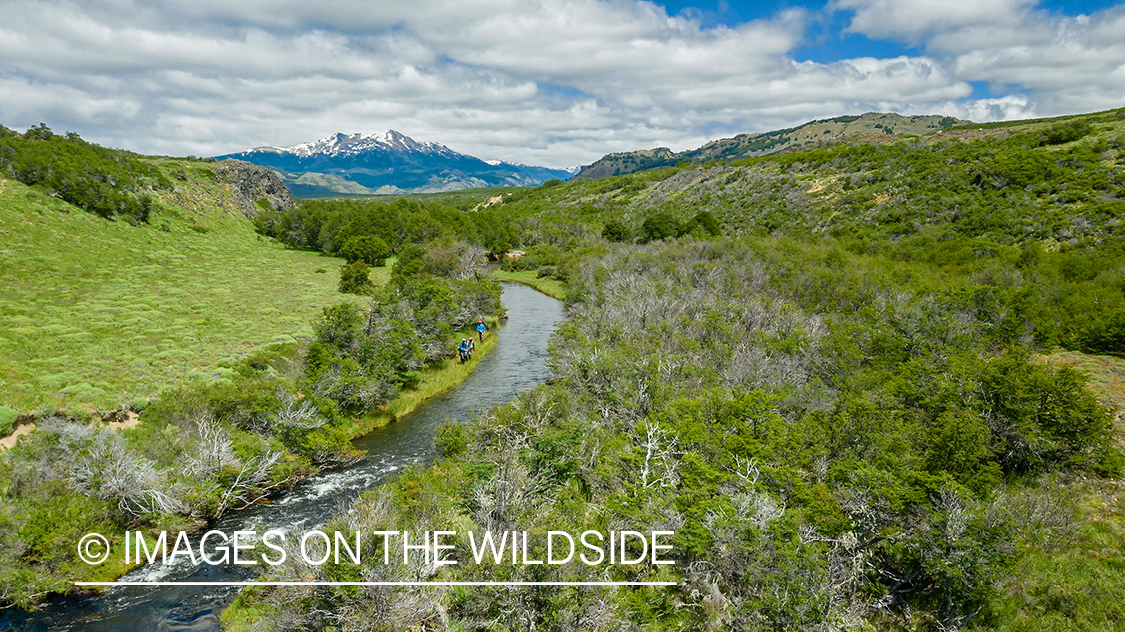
(518, 363)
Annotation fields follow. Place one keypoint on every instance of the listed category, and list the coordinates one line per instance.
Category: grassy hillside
(97, 312)
(872, 127)
(128, 276)
(1028, 217)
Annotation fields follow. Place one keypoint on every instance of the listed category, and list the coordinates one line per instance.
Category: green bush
(616, 230)
(659, 226)
(355, 278)
(368, 249)
(110, 183)
(8, 417)
(451, 439)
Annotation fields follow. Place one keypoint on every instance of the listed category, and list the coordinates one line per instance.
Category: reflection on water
(518, 363)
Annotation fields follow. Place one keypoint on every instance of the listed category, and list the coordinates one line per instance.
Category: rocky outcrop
(251, 184)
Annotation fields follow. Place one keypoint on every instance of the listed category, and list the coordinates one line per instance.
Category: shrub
(368, 249)
(8, 418)
(1066, 132)
(659, 226)
(616, 230)
(355, 278)
(451, 439)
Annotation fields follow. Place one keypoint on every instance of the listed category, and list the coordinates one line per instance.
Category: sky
(547, 82)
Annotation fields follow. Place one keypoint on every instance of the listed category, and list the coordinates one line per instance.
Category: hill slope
(387, 163)
(870, 127)
(98, 312)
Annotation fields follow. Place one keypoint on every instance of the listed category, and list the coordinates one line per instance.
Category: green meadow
(97, 313)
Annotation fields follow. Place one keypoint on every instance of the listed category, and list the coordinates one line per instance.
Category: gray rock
(250, 182)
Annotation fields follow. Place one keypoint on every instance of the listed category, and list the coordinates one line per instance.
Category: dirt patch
(123, 420)
(130, 421)
(819, 185)
(9, 442)
(496, 199)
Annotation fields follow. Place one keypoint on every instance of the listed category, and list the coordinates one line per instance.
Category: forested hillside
(1030, 215)
(827, 371)
(872, 127)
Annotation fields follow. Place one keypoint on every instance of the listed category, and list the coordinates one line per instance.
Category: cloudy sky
(550, 82)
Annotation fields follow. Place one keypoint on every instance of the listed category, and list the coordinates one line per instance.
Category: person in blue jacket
(481, 329)
(463, 349)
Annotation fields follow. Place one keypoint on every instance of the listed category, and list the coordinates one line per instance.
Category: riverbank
(517, 365)
(68, 517)
(436, 379)
(551, 287)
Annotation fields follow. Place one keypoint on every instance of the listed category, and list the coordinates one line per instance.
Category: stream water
(517, 364)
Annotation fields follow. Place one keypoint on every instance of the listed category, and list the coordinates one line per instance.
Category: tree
(616, 230)
(368, 249)
(355, 279)
(659, 226)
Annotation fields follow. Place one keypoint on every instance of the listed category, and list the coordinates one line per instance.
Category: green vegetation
(547, 285)
(111, 318)
(330, 225)
(366, 248)
(204, 449)
(834, 373)
(8, 417)
(97, 313)
(801, 418)
(107, 182)
(1028, 216)
(437, 377)
(842, 407)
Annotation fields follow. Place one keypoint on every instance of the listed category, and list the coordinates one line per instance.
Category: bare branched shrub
(472, 256)
(500, 502)
(215, 449)
(110, 471)
(249, 484)
(302, 415)
(661, 457)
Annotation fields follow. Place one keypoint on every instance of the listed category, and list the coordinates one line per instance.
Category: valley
(880, 373)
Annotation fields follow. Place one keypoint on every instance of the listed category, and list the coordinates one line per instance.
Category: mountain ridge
(871, 126)
(389, 162)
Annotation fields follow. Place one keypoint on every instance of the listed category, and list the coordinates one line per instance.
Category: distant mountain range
(870, 127)
(391, 162)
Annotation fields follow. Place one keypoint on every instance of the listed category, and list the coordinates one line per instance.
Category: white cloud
(912, 19)
(556, 82)
(1060, 64)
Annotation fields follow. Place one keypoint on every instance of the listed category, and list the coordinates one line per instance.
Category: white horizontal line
(375, 584)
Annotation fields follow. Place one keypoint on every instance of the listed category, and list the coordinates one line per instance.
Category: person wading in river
(481, 329)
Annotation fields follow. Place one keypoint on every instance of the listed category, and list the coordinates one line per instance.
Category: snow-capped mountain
(389, 162)
(352, 144)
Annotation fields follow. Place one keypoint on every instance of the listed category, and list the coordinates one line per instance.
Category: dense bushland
(253, 427)
(834, 444)
(203, 449)
(360, 358)
(1030, 216)
(111, 183)
(350, 227)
